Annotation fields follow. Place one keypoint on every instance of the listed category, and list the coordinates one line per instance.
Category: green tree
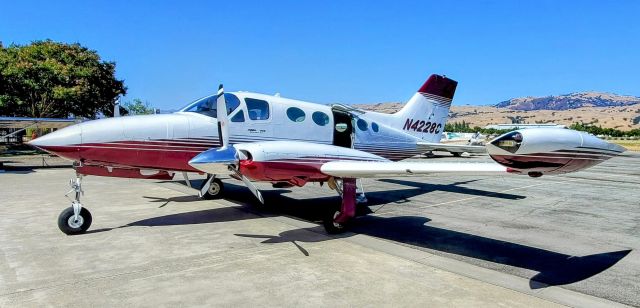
(51, 79)
(137, 107)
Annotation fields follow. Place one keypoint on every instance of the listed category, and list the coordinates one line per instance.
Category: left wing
(362, 169)
(452, 148)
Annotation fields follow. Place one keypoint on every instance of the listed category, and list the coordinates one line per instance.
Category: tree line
(59, 80)
(464, 127)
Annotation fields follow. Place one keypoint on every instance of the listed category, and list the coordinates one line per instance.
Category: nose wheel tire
(330, 224)
(71, 225)
(216, 188)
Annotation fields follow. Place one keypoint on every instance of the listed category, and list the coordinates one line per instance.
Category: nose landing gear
(75, 219)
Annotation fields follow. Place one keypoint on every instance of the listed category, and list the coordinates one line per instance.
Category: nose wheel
(75, 219)
(71, 224)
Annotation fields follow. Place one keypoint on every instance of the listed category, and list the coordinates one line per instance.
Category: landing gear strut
(75, 219)
(337, 220)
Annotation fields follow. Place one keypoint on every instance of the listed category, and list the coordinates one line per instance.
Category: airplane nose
(64, 137)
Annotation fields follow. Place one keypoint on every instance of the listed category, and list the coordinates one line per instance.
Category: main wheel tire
(70, 226)
(215, 189)
(456, 154)
(330, 224)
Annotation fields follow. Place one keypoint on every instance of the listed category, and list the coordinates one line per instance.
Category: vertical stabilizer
(427, 111)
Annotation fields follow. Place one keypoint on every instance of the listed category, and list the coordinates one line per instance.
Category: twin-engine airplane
(253, 137)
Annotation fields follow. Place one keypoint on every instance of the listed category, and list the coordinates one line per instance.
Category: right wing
(365, 169)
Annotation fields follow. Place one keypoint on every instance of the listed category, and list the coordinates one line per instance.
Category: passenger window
(362, 124)
(295, 114)
(374, 127)
(320, 118)
(232, 103)
(258, 109)
(239, 117)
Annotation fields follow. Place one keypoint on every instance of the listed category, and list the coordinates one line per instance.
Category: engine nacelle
(538, 151)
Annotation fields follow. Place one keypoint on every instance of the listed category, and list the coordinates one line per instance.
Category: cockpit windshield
(208, 105)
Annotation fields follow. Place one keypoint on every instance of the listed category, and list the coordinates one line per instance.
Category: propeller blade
(223, 118)
(252, 188)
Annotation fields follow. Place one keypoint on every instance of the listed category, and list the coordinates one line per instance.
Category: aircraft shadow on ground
(20, 169)
(454, 188)
(553, 268)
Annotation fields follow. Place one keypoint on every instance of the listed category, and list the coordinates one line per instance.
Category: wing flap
(453, 148)
(362, 169)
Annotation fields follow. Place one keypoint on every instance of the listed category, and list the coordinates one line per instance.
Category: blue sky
(171, 52)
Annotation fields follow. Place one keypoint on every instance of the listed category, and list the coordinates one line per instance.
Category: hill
(569, 101)
(606, 110)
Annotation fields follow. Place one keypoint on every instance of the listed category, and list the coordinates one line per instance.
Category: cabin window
(320, 118)
(362, 124)
(374, 127)
(239, 117)
(258, 109)
(295, 114)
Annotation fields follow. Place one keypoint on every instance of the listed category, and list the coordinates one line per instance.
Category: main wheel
(330, 224)
(456, 154)
(215, 190)
(70, 226)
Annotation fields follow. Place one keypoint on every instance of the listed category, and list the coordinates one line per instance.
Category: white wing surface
(362, 169)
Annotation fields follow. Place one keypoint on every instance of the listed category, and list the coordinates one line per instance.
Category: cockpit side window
(258, 109)
(232, 102)
(238, 117)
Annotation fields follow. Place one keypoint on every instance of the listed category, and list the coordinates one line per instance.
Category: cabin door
(342, 129)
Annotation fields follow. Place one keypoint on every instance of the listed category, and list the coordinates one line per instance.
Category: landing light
(507, 143)
(510, 142)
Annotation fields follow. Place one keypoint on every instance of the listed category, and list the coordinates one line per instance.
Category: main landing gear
(212, 188)
(337, 220)
(75, 219)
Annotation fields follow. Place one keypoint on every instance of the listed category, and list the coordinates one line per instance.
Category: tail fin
(426, 112)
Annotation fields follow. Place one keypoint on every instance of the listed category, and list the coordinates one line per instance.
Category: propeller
(223, 118)
(226, 158)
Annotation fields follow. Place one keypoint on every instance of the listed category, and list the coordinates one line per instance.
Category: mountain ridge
(569, 101)
(604, 109)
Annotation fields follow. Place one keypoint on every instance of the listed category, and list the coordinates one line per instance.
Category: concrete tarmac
(434, 240)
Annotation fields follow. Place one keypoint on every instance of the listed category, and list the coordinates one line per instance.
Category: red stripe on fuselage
(174, 159)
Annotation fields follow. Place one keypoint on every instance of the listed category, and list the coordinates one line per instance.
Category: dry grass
(621, 118)
(631, 145)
